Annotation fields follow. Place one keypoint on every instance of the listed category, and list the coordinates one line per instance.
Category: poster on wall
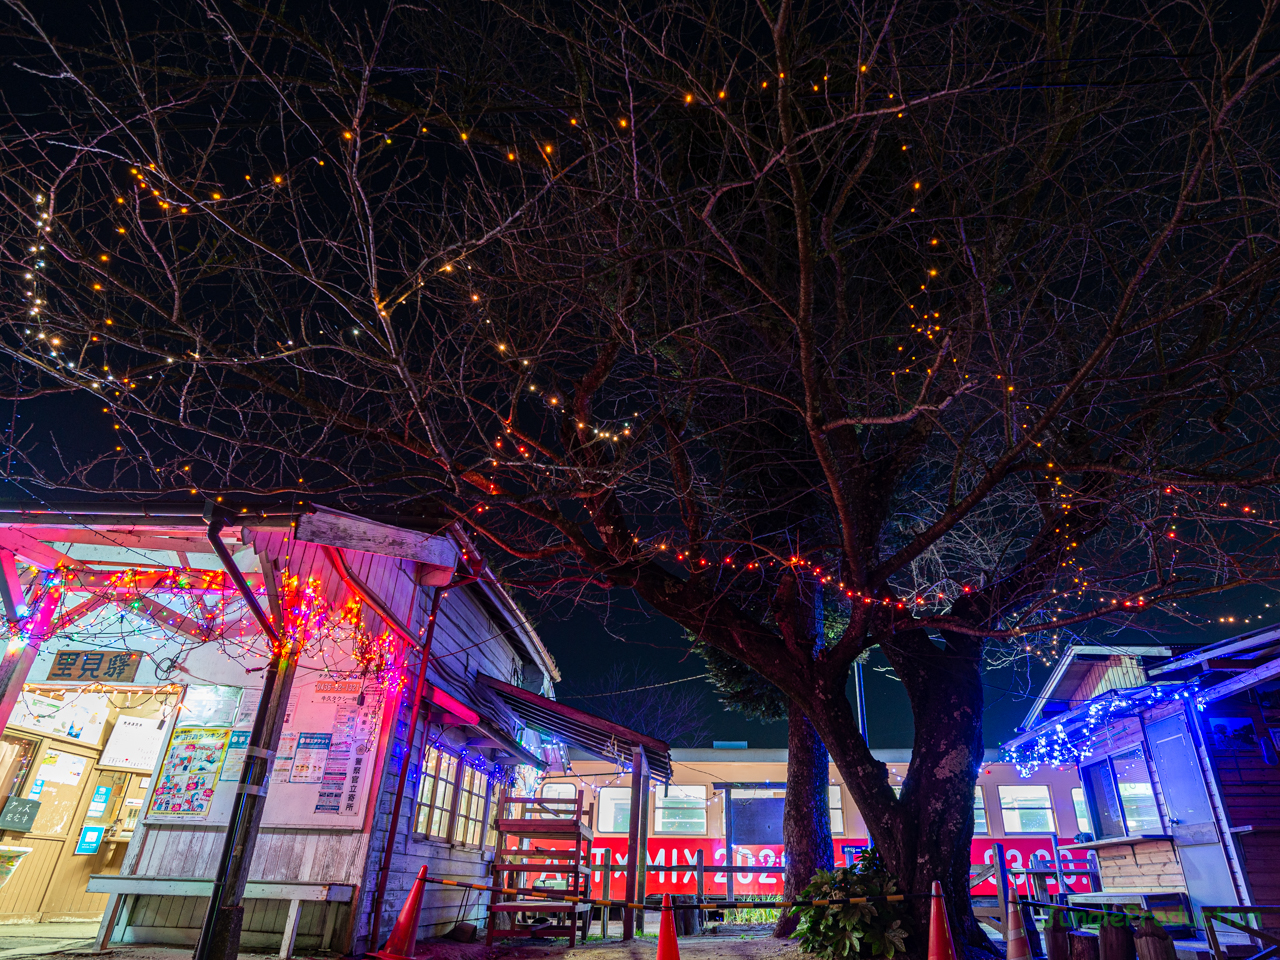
(189, 772)
(236, 748)
(134, 744)
(325, 762)
(284, 758)
(210, 705)
(57, 767)
(81, 716)
(309, 757)
(352, 738)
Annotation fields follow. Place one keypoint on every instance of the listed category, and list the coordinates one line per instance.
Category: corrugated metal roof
(589, 733)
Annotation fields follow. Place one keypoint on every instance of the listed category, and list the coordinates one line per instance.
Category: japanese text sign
(102, 666)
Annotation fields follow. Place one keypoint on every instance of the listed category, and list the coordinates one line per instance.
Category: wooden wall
(1249, 787)
(320, 856)
(467, 642)
(1150, 865)
(177, 920)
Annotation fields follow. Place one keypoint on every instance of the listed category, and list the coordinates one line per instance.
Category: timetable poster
(190, 772)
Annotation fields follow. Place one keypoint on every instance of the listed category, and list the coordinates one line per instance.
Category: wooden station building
(133, 673)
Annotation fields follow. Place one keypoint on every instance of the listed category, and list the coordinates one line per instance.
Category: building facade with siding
(1177, 753)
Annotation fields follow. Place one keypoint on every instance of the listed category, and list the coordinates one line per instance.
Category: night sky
(71, 427)
(585, 649)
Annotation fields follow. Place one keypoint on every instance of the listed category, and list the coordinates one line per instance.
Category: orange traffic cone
(1017, 944)
(404, 935)
(941, 946)
(668, 948)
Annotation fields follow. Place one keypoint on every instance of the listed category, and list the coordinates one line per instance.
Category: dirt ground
(747, 946)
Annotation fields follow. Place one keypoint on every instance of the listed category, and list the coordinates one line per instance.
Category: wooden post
(607, 876)
(728, 844)
(1033, 932)
(1002, 887)
(1057, 926)
(1059, 875)
(700, 870)
(1084, 945)
(1115, 936)
(290, 930)
(220, 933)
(638, 838)
(1152, 941)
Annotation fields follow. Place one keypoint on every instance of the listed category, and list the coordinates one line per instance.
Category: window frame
(600, 807)
(980, 803)
(1048, 808)
(475, 786)
(657, 810)
(834, 789)
(1106, 766)
(443, 809)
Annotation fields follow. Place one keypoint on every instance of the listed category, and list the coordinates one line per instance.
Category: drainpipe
(220, 934)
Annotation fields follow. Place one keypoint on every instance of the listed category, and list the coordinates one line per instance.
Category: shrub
(853, 929)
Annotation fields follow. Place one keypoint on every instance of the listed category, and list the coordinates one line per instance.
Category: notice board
(320, 776)
(326, 754)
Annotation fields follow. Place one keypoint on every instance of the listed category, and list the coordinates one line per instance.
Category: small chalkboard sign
(19, 814)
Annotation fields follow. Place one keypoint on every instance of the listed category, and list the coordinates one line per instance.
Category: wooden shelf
(565, 868)
(546, 829)
(1115, 841)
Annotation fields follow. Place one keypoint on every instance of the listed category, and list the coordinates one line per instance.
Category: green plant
(853, 929)
(752, 914)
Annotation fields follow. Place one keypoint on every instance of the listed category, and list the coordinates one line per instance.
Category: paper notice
(189, 772)
(234, 763)
(309, 757)
(284, 758)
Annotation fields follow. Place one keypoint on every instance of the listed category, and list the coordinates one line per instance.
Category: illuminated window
(1026, 809)
(1121, 797)
(1136, 795)
(1082, 810)
(835, 803)
(680, 810)
(435, 794)
(614, 812)
(979, 812)
(470, 821)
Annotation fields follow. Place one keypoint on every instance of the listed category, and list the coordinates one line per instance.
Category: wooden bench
(293, 891)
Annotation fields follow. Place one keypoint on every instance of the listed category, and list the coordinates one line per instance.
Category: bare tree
(710, 306)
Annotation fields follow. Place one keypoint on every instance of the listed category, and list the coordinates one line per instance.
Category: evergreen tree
(806, 827)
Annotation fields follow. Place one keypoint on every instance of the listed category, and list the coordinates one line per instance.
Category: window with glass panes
(558, 791)
(613, 815)
(469, 826)
(1026, 809)
(979, 811)
(1120, 795)
(836, 805)
(1082, 810)
(680, 810)
(435, 794)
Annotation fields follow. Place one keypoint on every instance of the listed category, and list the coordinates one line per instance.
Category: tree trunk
(806, 824)
(926, 833)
